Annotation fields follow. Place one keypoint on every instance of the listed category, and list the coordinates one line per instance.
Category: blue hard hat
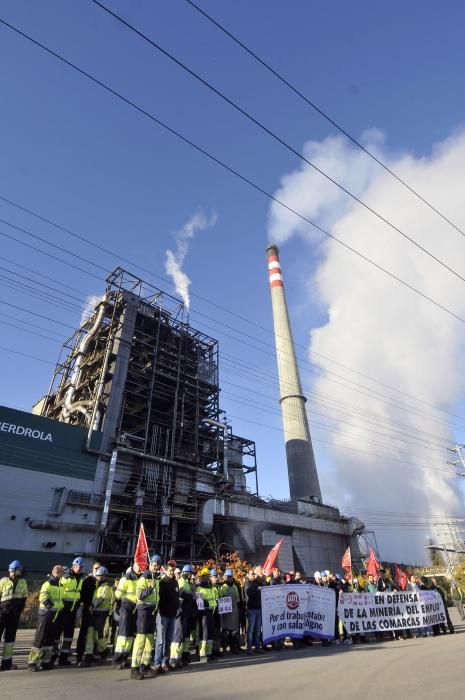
(187, 569)
(213, 572)
(79, 561)
(156, 558)
(228, 572)
(15, 565)
(102, 571)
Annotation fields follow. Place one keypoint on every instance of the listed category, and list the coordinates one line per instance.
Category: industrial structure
(132, 431)
(301, 467)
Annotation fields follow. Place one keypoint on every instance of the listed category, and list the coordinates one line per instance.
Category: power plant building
(131, 430)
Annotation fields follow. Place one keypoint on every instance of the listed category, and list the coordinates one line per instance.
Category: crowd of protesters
(165, 617)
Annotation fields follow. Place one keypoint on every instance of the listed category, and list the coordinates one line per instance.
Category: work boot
(148, 672)
(33, 667)
(64, 661)
(136, 674)
(85, 663)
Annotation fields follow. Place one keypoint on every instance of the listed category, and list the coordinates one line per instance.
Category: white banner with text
(396, 610)
(290, 610)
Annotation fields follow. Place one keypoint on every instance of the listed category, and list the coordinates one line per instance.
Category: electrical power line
(324, 114)
(277, 138)
(230, 169)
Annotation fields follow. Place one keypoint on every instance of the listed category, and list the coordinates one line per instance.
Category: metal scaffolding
(140, 375)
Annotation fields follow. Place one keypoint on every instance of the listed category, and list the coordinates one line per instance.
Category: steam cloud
(379, 328)
(175, 259)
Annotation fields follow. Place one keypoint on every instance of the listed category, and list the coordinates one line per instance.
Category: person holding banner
(229, 593)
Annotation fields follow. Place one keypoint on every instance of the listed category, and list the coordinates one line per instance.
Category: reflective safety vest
(127, 589)
(71, 589)
(51, 595)
(184, 585)
(143, 584)
(12, 590)
(209, 594)
(103, 596)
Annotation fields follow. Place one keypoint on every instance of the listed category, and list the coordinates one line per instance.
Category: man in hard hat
(126, 598)
(87, 593)
(179, 651)
(146, 609)
(48, 624)
(168, 606)
(72, 586)
(96, 643)
(215, 584)
(230, 620)
(13, 594)
(206, 602)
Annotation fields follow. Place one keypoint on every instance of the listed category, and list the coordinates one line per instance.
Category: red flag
(346, 562)
(400, 577)
(271, 558)
(142, 551)
(373, 563)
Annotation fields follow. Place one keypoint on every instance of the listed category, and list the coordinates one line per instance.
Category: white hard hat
(317, 574)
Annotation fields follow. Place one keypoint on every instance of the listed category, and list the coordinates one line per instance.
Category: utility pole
(457, 450)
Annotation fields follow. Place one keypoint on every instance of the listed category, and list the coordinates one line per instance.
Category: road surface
(414, 669)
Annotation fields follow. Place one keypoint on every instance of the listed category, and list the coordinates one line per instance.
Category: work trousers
(96, 643)
(254, 624)
(126, 632)
(9, 620)
(142, 653)
(231, 638)
(179, 636)
(206, 632)
(82, 636)
(68, 622)
(45, 645)
(216, 631)
(165, 631)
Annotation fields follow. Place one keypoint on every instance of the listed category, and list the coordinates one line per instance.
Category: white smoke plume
(383, 330)
(175, 259)
(91, 301)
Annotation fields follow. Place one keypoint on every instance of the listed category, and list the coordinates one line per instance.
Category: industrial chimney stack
(303, 477)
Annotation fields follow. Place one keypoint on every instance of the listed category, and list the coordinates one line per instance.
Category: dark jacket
(385, 585)
(169, 597)
(252, 596)
(87, 591)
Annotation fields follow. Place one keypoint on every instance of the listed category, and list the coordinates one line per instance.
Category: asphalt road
(415, 669)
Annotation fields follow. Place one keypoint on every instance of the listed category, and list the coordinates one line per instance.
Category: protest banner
(396, 610)
(224, 605)
(297, 610)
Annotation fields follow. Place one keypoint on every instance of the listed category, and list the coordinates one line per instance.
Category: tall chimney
(303, 477)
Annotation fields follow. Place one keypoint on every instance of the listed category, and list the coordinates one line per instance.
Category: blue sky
(73, 154)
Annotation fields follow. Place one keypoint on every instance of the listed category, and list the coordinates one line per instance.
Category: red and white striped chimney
(301, 467)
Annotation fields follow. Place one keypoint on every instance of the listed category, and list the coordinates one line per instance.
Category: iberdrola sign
(22, 430)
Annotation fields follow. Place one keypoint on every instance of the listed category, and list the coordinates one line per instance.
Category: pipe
(96, 413)
(68, 406)
(164, 460)
(58, 526)
(224, 427)
(108, 489)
